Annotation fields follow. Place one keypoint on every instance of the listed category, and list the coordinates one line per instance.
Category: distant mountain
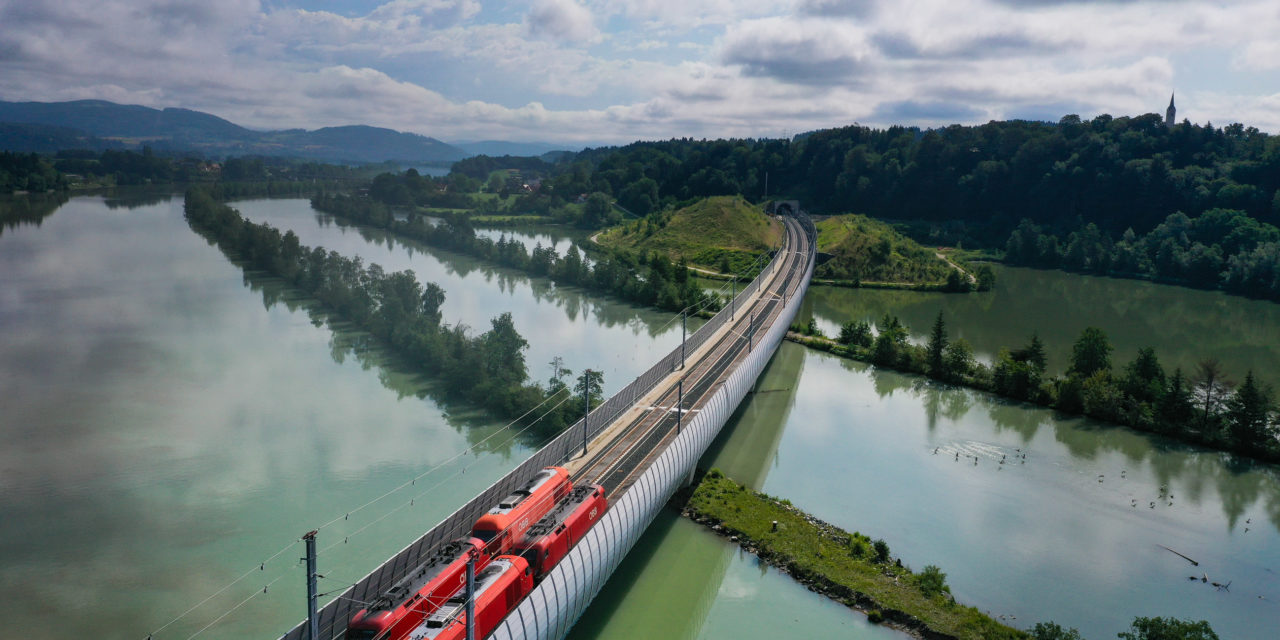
(498, 148)
(43, 138)
(187, 130)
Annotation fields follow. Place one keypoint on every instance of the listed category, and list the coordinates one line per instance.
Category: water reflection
(1071, 532)
(1183, 325)
(31, 209)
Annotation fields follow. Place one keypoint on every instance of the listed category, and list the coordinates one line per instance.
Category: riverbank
(1043, 392)
(849, 568)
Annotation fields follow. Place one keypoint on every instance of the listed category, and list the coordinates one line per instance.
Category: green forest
(1202, 406)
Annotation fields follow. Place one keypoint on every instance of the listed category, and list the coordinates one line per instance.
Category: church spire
(1170, 113)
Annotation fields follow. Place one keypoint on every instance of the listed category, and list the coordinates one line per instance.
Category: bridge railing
(333, 618)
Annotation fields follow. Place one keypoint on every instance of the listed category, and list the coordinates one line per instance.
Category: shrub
(932, 581)
(882, 550)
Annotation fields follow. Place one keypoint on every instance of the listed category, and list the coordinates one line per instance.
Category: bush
(875, 617)
(932, 581)
(882, 550)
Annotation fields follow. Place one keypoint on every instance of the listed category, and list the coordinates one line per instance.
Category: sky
(614, 71)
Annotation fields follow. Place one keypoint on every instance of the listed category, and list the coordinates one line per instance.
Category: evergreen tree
(1090, 353)
(1174, 409)
(937, 348)
(1248, 417)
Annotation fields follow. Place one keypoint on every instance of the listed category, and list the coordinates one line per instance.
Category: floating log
(1179, 555)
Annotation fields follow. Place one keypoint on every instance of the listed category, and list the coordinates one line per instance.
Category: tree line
(28, 172)
(644, 279)
(487, 369)
(1203, 406)
(975, 184)
(1222, 248)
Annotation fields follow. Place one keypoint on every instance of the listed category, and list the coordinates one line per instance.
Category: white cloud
(561, 20)
(804, 51)
(608, 70)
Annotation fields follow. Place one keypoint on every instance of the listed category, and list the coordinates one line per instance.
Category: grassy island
(722, 234)
(848, 567)
(861, 251)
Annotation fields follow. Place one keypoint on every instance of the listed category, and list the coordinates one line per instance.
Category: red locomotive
(547, 542)
(498, 589)
(541, 521)
(514, 515)
(407, 603)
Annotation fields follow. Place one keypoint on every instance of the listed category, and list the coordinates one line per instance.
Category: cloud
(928, 110)
(798, 51)
(653, 68)
(836, 8)
(561, 20)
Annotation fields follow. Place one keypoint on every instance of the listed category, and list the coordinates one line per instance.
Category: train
(514, 514)
(406, 604)
(548, 541)
(498, 589)
(514, 544)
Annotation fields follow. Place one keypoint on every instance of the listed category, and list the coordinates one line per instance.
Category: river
(1183, 325)
(168, 424)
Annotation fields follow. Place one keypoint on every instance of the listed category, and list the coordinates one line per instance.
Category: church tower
(1170, 113)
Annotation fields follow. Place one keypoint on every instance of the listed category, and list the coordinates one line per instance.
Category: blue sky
(612, 71)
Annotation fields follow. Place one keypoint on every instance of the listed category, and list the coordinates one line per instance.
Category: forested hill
(1117, 172)
(101, 124)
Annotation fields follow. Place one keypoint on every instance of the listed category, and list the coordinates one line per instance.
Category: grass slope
(706, 233)
(834, 562)
(868, 250)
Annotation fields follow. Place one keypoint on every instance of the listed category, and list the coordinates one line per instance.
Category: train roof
(557, 516)
(511, 501)
(441, 558)
(456, 606)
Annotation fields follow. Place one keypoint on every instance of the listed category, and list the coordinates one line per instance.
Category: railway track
(630, 449)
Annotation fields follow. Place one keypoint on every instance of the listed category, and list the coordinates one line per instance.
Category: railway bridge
(641, 445)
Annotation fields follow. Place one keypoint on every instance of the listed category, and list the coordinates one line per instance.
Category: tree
(891, 341)
(1168, 629)
(1248, 417)
(937, 348)
(1143, 378)
(932, 581)
(598, 211)
(1090, 353)
(1033, 354)
(596, 380)
(503, 348)
(856, 333)
(882, 550)
(959, 358)
(1053, 631)
(1211, 388)
(558, 372)
(1174, 408)
(986, 277)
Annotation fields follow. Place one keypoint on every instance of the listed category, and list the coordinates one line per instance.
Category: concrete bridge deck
(668, 407)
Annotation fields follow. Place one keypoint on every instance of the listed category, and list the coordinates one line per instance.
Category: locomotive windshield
(485, 535)
(361, 634)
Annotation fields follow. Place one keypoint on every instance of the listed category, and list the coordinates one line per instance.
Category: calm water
(165, 428)
(1183, 325)
(1057, 537)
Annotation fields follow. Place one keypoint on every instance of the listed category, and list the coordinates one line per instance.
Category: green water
(681, 581)
(1069, 535)
(168, 424)
(1183, 325)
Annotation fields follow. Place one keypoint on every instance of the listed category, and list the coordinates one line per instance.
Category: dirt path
(944, 258)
